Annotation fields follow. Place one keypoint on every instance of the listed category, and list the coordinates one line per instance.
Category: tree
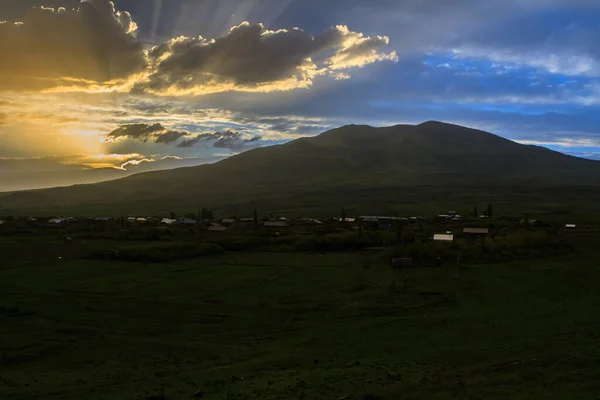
(360, 228)
(255, 215)
(476, 213)
(491, 211)
(398, 229)
(343, 215)
(172, 215)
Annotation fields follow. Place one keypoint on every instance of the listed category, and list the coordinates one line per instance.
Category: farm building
(476, 231)
(443, 237)
(276, 224)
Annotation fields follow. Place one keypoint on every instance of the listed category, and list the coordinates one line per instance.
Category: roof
(347, 220)
(217, 229)
(443, 237)
(479, 231)
(570, 226)
(187, 221)
(277, 224)
(168, 221)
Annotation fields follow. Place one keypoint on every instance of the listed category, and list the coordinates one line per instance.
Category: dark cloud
(253, 58)
(65, 47)
(223, 140)
(144, 132)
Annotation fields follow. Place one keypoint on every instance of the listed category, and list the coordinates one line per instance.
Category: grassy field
(294, 326)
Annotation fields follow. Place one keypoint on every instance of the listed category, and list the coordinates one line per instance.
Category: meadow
(295, 325)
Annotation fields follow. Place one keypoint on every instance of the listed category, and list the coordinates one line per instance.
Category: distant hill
(402, 167)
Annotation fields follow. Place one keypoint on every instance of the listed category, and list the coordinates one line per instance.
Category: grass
(294, 326)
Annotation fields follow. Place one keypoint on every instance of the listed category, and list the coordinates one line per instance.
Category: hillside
(352, 166)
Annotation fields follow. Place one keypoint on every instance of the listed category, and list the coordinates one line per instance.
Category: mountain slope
(349, 161)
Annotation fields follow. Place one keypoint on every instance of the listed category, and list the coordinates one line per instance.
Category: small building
(402, 263)
(187, 221)
(275, 224)
(348, 220)
(168, 221)
(443, 237)
(476, 231)
(570, 226)
(141, 219)
(369, 219)
(217, 229)
(311, 221)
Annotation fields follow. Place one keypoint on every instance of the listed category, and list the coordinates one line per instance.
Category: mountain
(399, 167)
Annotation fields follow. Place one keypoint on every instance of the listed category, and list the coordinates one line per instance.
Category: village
(445, 237)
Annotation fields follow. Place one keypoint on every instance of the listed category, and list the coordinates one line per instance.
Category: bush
(159, 252)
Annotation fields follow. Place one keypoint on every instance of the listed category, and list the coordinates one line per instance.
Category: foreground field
(295, 326)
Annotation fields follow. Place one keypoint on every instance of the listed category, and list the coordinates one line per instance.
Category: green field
(255, 325)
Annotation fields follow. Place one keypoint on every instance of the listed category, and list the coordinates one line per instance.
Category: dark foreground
(295, 326)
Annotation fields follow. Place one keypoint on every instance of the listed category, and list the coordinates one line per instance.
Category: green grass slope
(294, 326)
(353, 162)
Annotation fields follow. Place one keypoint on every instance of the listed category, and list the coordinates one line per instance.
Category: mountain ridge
(351, 158)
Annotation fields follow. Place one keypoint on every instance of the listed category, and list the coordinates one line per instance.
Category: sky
(93, 90)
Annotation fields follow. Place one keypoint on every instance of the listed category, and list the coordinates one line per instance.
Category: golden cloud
(94, 49)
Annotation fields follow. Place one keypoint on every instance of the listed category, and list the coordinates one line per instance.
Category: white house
(443, 237)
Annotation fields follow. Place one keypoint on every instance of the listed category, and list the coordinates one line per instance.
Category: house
(217, 229)
(228, 221)
(369, 219)
(570, 226)
(187, 221)
(443, 237)
(131, 219)
(476, 231)
(141, 219)
(348, 220)
(57, 221)
(168, 221)
(311, 221)
(275, 224)
(401, 263)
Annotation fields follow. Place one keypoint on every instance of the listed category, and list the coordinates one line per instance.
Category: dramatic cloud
(224, 140)
(60, 47)
(144, 132)
(251, 58)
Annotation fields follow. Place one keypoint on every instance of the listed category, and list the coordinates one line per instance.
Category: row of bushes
(158, 252)
(517, 245)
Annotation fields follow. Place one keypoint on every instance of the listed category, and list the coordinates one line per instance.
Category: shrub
(159, 252)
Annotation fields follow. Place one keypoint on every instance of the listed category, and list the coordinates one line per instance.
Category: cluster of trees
(158, 252)
(521, 244)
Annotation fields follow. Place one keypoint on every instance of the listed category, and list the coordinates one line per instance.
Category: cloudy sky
(93, 89)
